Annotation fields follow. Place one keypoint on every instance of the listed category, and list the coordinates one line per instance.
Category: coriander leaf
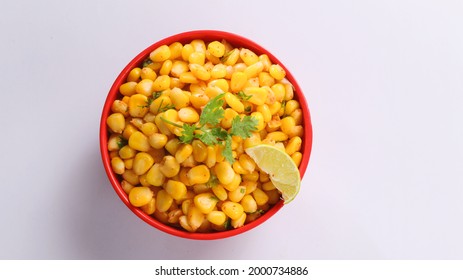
(156, 94)
(121, 142)
(243, 126)
(227, 151)
(213, 181)
(243, 96)
(147, 62)
(219, 133)
(213, 112)
(207, 136)
(188, 133)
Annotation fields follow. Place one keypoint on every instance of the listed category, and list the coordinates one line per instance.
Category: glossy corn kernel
(150, 207)
(294, 145)
(237, 194)
(183, 152)
(140, 196)
(297, 158)
(128, 89)
(131, 177)
(134, 75)
(199, 174)
(118, 166)
(205, 202)
(179, 67)
(177, 190)
(248, 56)
(142, 163)
(224, 172)
(249, 204)
(216, 217)
(172, 145)
(239, 222)
(197, 58)
(195, 217)
(126, 186)
(211, 157)
(277, 136)
(169, 166)
(144, 87)
(138, 141)
(116, 122)
(163, 201)
(238, 80)
(232, 209)
(260, 197)
(235, 183)
(258, 95)
(233, 101)
(254, 70)
(154, 176)
(218, 71)
(160, 54)
(188, 115)
(290, 106)
(166, 67)
(199, 151)
(138, 105)
(216, 48)
(277, 72)
(231, 57)
(220, 192)
(161, 83)
(200, 72)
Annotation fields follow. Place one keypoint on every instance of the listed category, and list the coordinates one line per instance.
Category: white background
(383, 81)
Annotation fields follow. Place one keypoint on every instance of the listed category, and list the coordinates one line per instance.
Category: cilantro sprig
(211, 133)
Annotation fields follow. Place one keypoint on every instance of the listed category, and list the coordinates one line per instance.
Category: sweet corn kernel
(238, 80)
(161, 83)
(216, 217)
(177, 190)
(233, 101)
(142, 163)
(233, 210)
(257, 95)
(237, 194)
(260, 196)
(128, 89)
(138, 105)
(249, 204)
(188, 115)
(163, 201)
(199, 151)
(239, 222)
(254, 70)
(297, 158)
(160, 54)
(150, 207)
(205, 202)
(169, 166)
(224, 172)
(116, 122)
(199, 174)
(183, 152)
(118, 166)
(134, 75)
(175, 50)
(139, 141)
(277, 72)
(140, 196)
(248, 56)
(154, 176)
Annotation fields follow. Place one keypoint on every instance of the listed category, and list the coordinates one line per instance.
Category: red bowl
(186, 37)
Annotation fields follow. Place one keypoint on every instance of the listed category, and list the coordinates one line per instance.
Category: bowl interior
(207, 36)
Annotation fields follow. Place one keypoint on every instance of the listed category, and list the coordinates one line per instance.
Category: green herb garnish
(121, 142)
(243, 96)
(211, 133)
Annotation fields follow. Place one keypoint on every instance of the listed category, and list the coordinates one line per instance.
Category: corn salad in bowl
(176, 124)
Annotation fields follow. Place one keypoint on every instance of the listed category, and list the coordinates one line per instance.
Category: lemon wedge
(281, 169)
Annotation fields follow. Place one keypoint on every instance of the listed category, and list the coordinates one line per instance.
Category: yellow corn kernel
(254, 70)
(265, 79)
(115, 142)
(154, 176)
(289, 91)
(290, 106)
(287, 124)
(265, 111)
(199, 151)
(157, 140)
(199, 71)
(142, 163)
(239, 67)
(247, 163)
(274, 108)
(130, 177)
(268, 186)
(138, 141)
(224, 172)
(233, 210)
(160, 103)
(195, 218)
(297, 158)
(235, 183)
(188, 78)
(166, 67)
(211, 157)
(116, 122)
(263, 177)
(249, 204)
(239, 222)
(140, 196)
(187, 50)
(199, 174)
(251, 177)
(177, 190)
(233, 101)
(138, 105)
(186, 204)
(250, 185)
(183, 221)
(134, 75)
(228, 117)
(197, 58)
(137, 122)
(198, 100)
(205, 202)
(148, 128)
(266, 61)
(218, 71)
(252, 141)
(150, 207)
(231, 57)
(216, 48)
(216, 217)
(277, 72)
(258, 95)
(169, 166)
(221, 84)
(174, 215)
(220, 192)
(183, 152)
(188, 115)
(170, 116)
(273, 196)
(238, 168)
(163, 201)
(297, 131)
(118, 166)
(175, 50)
(248, 56)
(126, 186)
(160, 54)
(297, 115)
(238, 80)
(176, 83)
(260, 120)
(198, 45)
(172, 145)
(274, 124)
(179, 67)
(271, 98)
(237, 194)
(178, 98)
(294, 145)
(161, 83)
(128, 89)
(148, 74)
(280, 91)
(219, 153)
(260, 197)
(128, 163)
(211, 60)
(200, 188)
(119, 106)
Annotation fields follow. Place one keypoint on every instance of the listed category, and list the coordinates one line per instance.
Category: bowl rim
(186, 37)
